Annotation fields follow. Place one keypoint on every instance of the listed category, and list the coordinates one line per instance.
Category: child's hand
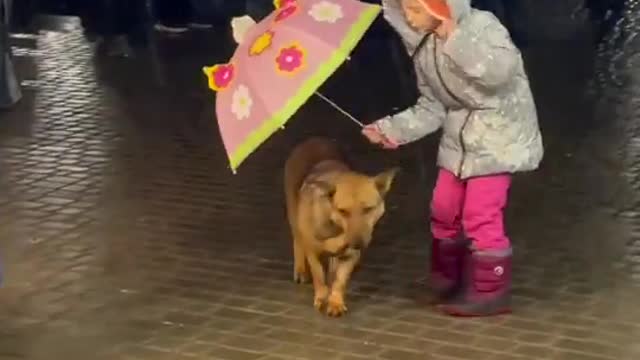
(375, 136)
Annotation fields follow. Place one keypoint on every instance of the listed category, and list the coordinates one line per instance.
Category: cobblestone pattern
(124, 234)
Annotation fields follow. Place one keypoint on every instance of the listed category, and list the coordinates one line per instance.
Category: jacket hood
(459, 9)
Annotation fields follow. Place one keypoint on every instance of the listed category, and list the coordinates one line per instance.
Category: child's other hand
(375, 136)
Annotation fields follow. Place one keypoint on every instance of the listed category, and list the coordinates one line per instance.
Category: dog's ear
(327, 229)
(384, 180)
(328, 188)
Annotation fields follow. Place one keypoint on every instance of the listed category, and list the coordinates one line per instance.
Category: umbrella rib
(336, 106)
(341, 110)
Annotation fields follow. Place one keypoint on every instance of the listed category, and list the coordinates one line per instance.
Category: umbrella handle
(341, 110)
(388, 142)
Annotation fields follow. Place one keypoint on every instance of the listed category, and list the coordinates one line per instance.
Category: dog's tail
(300, 163)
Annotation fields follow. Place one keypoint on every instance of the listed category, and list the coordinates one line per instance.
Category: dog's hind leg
(300, 267)
(332, 267)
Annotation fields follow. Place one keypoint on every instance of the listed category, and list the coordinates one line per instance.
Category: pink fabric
(474, 206)
(315, 29)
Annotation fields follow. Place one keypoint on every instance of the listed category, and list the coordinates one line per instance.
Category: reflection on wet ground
(124, 234)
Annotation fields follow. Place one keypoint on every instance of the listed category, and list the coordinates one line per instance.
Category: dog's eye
(368, 209)
(344, 212)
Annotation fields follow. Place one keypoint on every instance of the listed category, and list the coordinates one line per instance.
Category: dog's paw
(336, 309)
(301, 277)
(318, 303)
(336, 306)
(320, 298)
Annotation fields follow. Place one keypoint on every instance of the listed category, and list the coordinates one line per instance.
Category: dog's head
(354, 203)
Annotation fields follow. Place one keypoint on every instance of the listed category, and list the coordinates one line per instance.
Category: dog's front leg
(343, 269)
(319, 283)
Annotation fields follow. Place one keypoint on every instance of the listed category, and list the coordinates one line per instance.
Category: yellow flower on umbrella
(261, 43)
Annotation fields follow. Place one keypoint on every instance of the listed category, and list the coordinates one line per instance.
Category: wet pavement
(124, 235)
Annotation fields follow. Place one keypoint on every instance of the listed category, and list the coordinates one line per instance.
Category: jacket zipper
(462, 145)
(456, 98)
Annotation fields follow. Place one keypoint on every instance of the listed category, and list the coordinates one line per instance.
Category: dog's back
(300, 163)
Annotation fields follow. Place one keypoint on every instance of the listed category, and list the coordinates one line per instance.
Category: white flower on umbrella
(326, 11)
(241, 102)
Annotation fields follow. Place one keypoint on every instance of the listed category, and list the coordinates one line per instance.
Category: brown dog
(332, 212)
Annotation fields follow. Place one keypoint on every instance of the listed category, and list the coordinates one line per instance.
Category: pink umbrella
(281, 62)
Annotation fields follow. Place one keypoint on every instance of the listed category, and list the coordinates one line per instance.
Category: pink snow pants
(474, 207)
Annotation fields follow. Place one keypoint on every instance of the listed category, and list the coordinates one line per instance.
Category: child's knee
(482, 222)
(448, 197)
(444, 210)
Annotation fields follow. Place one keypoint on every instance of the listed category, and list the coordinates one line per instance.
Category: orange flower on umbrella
(282, 3)
(261, 43)
(290, 59)
(286, 11)
(220, 76)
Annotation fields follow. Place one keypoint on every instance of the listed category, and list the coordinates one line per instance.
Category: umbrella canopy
(280, 63)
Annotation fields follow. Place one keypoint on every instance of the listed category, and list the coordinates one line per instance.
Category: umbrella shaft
(335, 106)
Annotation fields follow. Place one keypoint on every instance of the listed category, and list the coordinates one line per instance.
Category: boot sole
(463, 314)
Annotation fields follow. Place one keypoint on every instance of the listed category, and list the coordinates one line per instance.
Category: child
(473, 86)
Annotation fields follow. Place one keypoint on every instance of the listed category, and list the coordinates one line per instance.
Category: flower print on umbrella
(326, 11)
(282, 3)
(261, 43)
(286, 12)
(267, 89)
(241, 102)
(290, 59)
(220, 76)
